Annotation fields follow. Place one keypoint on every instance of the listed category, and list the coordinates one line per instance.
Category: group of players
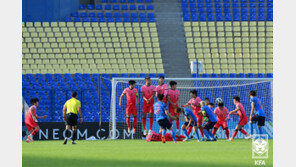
(203, 116)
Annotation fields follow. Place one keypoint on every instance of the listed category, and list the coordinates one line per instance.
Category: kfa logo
(260, 146)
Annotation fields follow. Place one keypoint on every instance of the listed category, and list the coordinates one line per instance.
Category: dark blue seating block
(269, 75)
(133, 7)
(141, 7)
(99, 7)
(77, 19)
(260, 75)
(205, 75)
(149, 7)
(83, 14)
(232, 75)
(251, 75)
(214, 75)
(124, 7)
(90, 7)
(107, 7)
(74, 14)
(116, 7)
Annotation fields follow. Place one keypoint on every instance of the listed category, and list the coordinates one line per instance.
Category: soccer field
(130, 153)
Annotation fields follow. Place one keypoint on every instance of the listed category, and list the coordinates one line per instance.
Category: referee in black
(72, 106)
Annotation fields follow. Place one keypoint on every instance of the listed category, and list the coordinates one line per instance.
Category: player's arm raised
(234, 111)
(123, 94)
(252, 110)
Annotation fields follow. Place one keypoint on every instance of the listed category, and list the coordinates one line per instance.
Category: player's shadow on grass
(31, 161)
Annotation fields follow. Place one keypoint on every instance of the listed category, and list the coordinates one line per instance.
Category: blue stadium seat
(142, 15)
(133, 7)
(114, 75)
(107, 7)
(260, 75)
(150, 15)
(122, 1)
(99, 7)
(232, 75)
(244, 17)
(91, 14)
(269, 75)
(152, 75)
(104, 1)
(102, 20)
(74, 14)
(81, 7)
(148, 1)
(116, 7)
(116, 15)
(269, 17)
(141, 7)
(135, 20)
(205, 75)
(131, 1)
(68, 19)
(214, 75)
(100, 15)
(126, 20)
(142, 75)
(108, 15)
(110, 20)
(251, 75)
(77, 19)
(83, 14)
(113, 1)
(93, 19)
(149, 7)
(242, 75)
(124, 75)
(90, 7)
(118, 20)
(125, 15)
(133, 75)
(124, 7)
(143, 20)
(134, 15)
(151, 20)
(140, 1)
(223, 75)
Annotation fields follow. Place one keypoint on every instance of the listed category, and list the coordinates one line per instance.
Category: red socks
(243, 131)
(189, 130)
(178, 124)
(234, 134)
(151, 123)
(128, 122)
(144, 120)
(34, 132)
(227, 133)
(135, 122)
(214, 131)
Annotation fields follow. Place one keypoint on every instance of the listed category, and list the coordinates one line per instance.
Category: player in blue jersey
(191, 120)
(162, 114)
(212, 120)
(257, 113)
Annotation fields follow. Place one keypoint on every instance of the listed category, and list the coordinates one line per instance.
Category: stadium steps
(171, 38)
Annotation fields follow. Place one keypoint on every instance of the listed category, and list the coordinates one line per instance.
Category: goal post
(212, 88)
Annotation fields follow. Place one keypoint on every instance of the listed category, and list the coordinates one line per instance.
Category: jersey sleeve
(124, 91)
(79, 104)
(216, 111)
(252, 100)
(65, 105)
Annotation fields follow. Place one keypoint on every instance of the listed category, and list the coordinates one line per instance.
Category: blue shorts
(164, 123)
(209, 125)
(193, 123)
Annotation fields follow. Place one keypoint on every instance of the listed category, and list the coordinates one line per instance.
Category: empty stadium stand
(230, 36)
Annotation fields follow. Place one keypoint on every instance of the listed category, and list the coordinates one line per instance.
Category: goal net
(212, 88)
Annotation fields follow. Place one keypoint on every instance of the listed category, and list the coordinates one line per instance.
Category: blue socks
(251, 128)
(260, 130)
(211, 134)
(163, 132)
(173, 135)
(206, 133)
(196, 134)
(185, 132)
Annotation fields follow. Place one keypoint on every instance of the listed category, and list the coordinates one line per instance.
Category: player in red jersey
(31, 119)
(173, 98)
(194, 102)
(162, 88)
(222, 116)
(132, 96)
(243, 119)
(148, 93)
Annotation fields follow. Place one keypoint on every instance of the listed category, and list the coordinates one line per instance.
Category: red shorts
(131, 110)
(221, 123)
(30, 124)
(172, 110)
(147, 108)
(199, 120)
(243, 122)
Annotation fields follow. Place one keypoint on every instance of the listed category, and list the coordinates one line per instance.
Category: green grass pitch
(139, 153)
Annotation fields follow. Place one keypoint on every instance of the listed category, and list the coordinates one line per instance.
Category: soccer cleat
(248, 137)
(230, 139)
(163, 139)
(73, 142)
(65, 140)
(186, 139)
(30, 137)
(144, 132)
(28, 141)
